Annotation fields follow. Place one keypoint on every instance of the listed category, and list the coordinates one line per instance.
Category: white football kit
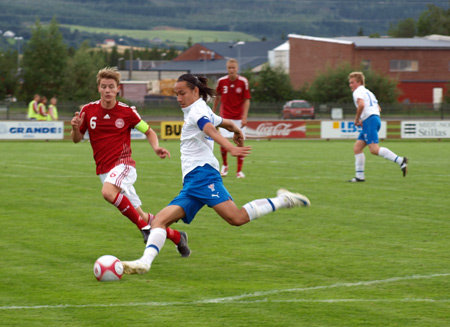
(196, 147)
(370, 102)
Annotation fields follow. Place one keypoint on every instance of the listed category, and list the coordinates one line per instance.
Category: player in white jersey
(202, 182)
(368, 116)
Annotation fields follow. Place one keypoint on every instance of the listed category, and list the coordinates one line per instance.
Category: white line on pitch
(237, 298)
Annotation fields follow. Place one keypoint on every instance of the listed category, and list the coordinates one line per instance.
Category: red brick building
(419, 64)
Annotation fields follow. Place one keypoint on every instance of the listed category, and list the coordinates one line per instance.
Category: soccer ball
(108, 268)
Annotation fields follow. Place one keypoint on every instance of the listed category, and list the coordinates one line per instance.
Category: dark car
(298, 109)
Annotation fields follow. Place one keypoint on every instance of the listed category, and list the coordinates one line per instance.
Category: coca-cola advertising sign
(275, 129)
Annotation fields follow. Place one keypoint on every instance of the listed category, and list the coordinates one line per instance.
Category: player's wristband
(142, 127)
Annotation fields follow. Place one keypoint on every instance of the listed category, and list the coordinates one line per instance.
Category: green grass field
(366, 254)
(177, 36)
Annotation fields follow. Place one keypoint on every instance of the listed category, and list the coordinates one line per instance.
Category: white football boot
(294, 199)
(135, 267)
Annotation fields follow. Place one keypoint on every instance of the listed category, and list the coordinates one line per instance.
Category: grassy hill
(168, 35)
(270, 19)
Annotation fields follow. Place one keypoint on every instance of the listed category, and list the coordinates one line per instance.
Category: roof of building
(209, 66)
(384, 42)
(249, 54)
(415, 42)
(243, 49)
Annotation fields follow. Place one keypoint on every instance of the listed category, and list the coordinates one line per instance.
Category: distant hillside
(270, 19)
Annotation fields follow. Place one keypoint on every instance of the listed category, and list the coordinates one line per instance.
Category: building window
(365, 64)
(404, 66)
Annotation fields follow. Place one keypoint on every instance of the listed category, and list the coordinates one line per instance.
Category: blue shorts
(201, 186)
(370, 128)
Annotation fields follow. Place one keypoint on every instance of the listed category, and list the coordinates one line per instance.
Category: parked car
(297, 109)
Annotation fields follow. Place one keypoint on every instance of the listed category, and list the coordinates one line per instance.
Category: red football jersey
(232, 96)
(109, 134)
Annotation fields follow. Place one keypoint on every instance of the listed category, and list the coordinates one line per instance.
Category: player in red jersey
(234, 95)
(109, 124)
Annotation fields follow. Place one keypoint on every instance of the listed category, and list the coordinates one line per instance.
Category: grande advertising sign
(426, 129)
(345, 130)
(31, 130)
(275, 129)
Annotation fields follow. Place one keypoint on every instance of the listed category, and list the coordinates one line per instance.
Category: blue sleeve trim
(202, 122)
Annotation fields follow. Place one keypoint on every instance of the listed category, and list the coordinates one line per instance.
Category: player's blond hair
(109, 73)
(358, 76)
(232, 61)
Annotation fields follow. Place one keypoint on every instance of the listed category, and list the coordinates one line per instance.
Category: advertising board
(426, 129)
(345, 130)
(31, 130)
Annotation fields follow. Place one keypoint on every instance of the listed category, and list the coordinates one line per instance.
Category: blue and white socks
(389, 155)
(360, 161)
(155, 243)
(261, 207)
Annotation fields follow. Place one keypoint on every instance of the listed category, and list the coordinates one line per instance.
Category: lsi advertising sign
(426, 129)
(275, 129)
(31, 130)
(345, 130)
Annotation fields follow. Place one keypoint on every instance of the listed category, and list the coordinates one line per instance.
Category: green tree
(44, 61)
(8, 74)
(270, 85)
(331, 86)
(434, 20)
(80, 79)
(404, 28)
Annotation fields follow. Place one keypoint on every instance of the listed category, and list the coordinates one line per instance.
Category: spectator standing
(33, 111)
(42, 109)
(52, 110)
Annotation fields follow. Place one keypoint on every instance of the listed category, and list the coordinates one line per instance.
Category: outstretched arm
(238, 138)
(152, 138)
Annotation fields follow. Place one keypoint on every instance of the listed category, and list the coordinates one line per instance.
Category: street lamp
(18, 41)
(237, 45)
(130, 68)
(205, 53)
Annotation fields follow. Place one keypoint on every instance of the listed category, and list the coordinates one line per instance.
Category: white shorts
(229, 135)
(123, 176)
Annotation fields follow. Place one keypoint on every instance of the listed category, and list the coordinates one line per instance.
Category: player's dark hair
(201, 82)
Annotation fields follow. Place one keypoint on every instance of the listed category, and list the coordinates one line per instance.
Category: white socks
(360, 160)
(261, 207)
(155, 243)
(389, 155)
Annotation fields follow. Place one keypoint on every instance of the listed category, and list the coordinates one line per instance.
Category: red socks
(126, 208)
(223, 152)
(240, 162)
(173, 235)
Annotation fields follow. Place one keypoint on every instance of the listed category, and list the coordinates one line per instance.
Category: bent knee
(234, 222)
(108, 195)
(238, 220)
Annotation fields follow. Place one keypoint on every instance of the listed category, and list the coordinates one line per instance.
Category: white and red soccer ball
(108, 268)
